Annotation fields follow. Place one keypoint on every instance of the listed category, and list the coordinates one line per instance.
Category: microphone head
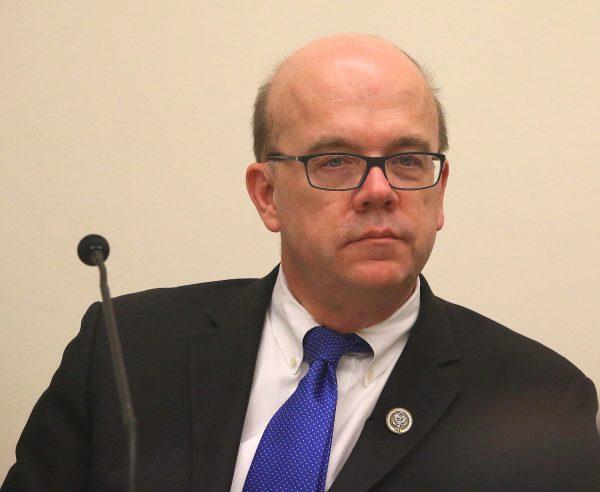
(89, 244)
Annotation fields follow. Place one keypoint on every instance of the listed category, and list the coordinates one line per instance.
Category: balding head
(341, 67)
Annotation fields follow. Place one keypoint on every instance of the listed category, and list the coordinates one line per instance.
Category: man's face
(357, 107)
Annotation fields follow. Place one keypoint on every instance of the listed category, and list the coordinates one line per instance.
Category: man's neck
(346, 309)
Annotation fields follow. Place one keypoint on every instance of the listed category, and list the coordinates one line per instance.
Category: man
(265, 385)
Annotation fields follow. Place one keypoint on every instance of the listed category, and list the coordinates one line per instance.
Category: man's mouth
(381, 235)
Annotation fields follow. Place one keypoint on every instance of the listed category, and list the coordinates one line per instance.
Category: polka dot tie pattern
(293, 452)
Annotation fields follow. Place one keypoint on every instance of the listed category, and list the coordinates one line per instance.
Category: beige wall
(131, 119)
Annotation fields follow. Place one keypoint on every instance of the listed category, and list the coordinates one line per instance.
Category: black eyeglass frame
(371, 162)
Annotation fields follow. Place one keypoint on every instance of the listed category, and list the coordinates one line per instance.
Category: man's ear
(260, 184)
(442, 184)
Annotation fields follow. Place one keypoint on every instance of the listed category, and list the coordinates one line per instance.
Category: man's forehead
(347, 82)
(362, 71)
(323, 143)
(347, 70)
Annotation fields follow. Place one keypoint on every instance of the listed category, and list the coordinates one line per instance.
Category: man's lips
(377, 234)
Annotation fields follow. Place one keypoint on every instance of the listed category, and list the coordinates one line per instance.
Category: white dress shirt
(279, 368)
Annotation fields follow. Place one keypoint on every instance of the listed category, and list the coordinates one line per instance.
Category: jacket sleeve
(54, 449)
(576, 443)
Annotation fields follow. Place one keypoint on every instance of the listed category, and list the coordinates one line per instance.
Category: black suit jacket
(492, 409)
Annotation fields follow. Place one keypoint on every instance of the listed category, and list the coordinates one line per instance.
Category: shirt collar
(290, 321)
(388, 338)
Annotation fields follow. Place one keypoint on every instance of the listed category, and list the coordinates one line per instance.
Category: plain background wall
(131, 119)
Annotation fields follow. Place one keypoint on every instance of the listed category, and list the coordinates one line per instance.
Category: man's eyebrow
(327, 142)
(412, 142)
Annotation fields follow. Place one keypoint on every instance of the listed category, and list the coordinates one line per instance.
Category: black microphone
(88, 245)
(93, 250)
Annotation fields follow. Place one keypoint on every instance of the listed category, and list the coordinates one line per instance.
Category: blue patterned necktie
(293, 452)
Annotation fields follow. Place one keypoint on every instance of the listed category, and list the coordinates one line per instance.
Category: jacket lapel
(222, 356)
(416, 384)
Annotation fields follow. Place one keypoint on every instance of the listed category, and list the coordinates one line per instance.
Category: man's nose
(374, 192)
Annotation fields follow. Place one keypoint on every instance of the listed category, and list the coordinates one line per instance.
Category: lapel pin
(399, 420)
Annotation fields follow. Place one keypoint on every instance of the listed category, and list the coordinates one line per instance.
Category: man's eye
(333, 162)
(408, 160)
(338, 163)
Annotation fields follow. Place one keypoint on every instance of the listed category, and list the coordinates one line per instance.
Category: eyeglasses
(341, 172)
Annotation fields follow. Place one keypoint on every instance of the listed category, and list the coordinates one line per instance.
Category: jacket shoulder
(166, 312)
(500, 346)
(184, 295)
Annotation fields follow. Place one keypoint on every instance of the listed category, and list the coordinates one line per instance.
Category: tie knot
(322, 343)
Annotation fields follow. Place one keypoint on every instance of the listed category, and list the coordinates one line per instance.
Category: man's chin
(379, 273)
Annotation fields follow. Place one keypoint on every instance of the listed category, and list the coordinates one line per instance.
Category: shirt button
(370, 375)
(293, 361)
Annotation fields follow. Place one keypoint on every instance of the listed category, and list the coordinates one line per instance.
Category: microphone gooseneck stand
(93, 250)
(114, 341)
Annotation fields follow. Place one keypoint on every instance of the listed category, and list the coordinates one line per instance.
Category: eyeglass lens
(345, 171)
